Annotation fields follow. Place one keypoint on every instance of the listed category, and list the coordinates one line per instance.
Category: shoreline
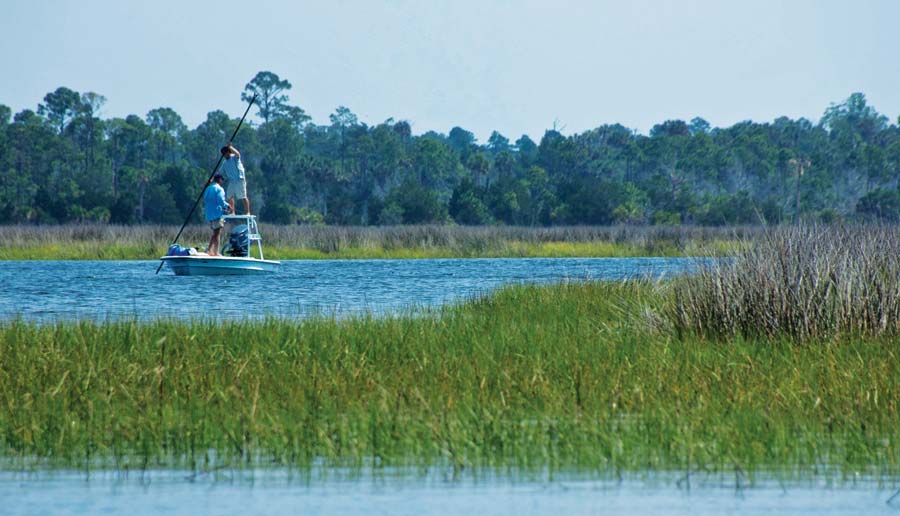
(513, 250)
(111, 242)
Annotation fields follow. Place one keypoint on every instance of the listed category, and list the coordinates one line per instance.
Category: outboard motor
(239, 241)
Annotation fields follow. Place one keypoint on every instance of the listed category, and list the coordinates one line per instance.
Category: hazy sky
(514, 66)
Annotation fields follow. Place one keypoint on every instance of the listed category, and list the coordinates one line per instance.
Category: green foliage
(881, 203)
(734, 209)
(60, 107)
(574, 377)
(418, 205)
(271, 101)
(64, 162)
(465, 206)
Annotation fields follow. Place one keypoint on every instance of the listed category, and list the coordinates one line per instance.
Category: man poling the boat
(216, 207)
(237, 179)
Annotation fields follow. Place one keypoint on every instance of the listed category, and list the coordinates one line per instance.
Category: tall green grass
(100, 241)
(573, 376)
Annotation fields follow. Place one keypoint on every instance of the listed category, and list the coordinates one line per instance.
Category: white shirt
(233, 168)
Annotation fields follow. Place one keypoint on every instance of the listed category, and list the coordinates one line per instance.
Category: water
(278, 492)
(68, 290)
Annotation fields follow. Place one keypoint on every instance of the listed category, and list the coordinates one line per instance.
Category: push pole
(211, 175)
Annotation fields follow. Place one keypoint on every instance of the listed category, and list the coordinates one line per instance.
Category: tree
(60, 107)
(404, 129)
(341, 119)
(166, 121)
(389, 157)
(540, 199)
(561, 157)
(70, 164)
(433, 163)
(128, 143)
(296, 116)
(204, 141)
(497, 142)
(417, 204)
(167, 129)
(280, 182)
(527, 150)
(668, 142)
(632, 205)
(856, 115)
(730, 209)
(466, 207)
(462, 141)
(670, 128)
(480, 166)
(88, 110)
(271, 101)
(25, 159)
(881, 203)
(699, 125)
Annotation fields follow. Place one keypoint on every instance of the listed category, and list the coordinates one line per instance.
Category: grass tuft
(804, 283)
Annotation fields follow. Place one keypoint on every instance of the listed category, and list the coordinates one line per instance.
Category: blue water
(279, 492)
(66, 290)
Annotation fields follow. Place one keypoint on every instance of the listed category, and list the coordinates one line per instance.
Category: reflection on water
(52, 290)
(434, 493)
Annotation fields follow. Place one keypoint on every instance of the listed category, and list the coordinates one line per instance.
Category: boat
(236, 256)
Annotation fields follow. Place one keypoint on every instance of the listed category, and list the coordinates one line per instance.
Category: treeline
(63, 163)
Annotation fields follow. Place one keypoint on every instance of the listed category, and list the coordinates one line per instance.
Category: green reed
(585, 376)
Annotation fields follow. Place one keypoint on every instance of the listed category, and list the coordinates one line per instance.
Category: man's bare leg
(246, 205)
(213, 249)
(231, 204)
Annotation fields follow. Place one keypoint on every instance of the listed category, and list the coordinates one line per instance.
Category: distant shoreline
(114, 242)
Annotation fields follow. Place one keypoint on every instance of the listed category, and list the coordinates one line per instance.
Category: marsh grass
(578, 376)
(97, 242)
(804, 283)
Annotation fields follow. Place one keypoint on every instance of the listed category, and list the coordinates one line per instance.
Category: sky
(518, 67)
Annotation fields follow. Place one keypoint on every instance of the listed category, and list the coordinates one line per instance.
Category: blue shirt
(214, 202)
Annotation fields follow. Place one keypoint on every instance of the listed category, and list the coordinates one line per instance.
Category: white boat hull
(218, 265)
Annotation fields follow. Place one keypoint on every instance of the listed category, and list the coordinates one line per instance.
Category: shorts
(236, 188)
(216, 224)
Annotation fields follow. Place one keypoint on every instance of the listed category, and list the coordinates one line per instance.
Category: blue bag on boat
(177, 250)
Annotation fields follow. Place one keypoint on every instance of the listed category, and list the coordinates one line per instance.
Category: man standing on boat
(216, 207)
(237, 181)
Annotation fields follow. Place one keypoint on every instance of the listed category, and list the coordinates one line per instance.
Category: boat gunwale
(250, 259)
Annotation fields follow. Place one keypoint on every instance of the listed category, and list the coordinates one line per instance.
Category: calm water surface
(54, 290)
(278, 493)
